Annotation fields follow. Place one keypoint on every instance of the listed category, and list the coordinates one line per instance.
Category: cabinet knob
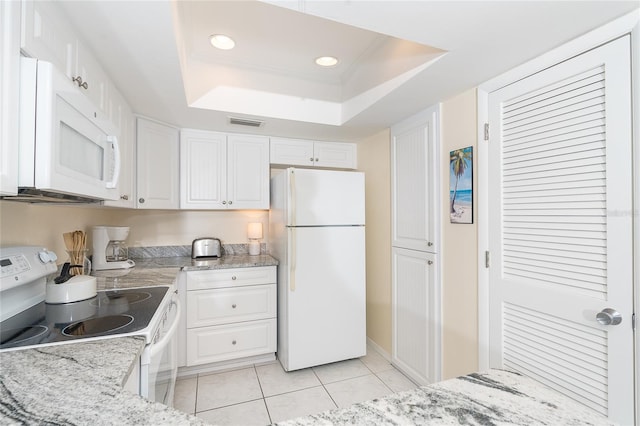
(124, 197)
(311, 159)
(429, 262)
(230, 202)
(141, 200)
(429, 243)
(233, 306)
(233, 278)
(317, 160)
(224, 202)
(233, 342)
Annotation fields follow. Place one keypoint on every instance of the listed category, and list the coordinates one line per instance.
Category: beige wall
(374, 160)
(459, 247)
(22, 223)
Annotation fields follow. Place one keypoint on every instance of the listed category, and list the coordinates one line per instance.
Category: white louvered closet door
(560, 234)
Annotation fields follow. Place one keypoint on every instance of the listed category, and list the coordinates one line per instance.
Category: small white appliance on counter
(110, 250)
(317, 234)
(27, 321)
(68, 150)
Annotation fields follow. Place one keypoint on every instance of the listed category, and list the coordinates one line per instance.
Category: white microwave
(68, 149)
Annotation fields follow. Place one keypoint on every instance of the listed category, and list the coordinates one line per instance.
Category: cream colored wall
(31, 224)
(459, 247)
(374, 160)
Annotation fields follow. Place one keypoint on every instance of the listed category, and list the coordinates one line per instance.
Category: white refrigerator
(316, 231)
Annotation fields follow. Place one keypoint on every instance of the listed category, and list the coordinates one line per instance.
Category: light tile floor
(264, 394)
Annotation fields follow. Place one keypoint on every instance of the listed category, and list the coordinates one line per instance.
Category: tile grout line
(195, 403)
(264, 399)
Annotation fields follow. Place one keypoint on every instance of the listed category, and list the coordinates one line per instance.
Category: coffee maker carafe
(110, 250)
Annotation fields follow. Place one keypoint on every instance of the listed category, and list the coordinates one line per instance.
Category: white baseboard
(373, 345)
(185, 372)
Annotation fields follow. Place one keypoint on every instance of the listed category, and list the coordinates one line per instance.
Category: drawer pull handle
(233, 343)
(233, 306)
(233, 278)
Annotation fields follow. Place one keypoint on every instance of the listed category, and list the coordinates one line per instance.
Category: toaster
(206, 247)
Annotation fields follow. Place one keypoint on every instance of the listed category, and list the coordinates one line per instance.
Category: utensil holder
(80, 263)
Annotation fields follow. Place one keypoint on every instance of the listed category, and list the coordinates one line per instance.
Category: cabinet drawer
(227, 305)
(224, 342)
(220, 278)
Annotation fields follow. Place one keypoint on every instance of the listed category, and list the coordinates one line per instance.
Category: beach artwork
(461, 185)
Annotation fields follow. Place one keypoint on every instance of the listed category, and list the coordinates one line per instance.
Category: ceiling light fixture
(222, 41)
(326, 61)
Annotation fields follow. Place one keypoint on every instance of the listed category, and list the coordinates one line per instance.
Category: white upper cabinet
(335, 154)
(203, 170)
(89, 75)
(414, 182)
(292, 152)
(47, 36)
(157, 165)
(248, 171)
(300, 152)
(9, 74)
(220, 171)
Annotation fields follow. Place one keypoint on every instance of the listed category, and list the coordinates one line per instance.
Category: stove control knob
(47, 256)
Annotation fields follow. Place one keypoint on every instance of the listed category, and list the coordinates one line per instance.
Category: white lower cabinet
(225, 342)
(230, 314)
(415, 314)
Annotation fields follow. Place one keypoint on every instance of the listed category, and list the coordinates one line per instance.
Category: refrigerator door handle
(292, 197)
(292, 263)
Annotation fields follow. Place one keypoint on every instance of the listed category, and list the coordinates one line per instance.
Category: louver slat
(554, 196)
(559, 353)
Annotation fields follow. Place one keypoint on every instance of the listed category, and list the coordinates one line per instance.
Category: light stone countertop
(164, 270)
(78, 383)
(496, 397)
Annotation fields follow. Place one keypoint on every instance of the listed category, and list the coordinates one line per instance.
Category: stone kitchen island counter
(79, 384)
(495, 397)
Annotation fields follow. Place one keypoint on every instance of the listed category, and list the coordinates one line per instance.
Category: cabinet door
(230, 277)
(157, 165)
(334, 154)
(203, 170)
(248, 172)
(231, 341)
(43, 36)
(415, 315)
(230, 305)
(90, 76)
(292, 152)
(413, 182)
(10, 96)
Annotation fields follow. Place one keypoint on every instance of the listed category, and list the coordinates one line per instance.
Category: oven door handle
(159, 346)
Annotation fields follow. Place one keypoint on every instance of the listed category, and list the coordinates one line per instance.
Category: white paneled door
(560, 232)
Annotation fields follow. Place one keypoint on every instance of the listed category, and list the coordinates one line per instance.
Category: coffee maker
(109, 248)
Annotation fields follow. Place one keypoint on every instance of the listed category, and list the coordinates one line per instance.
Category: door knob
(609, 316)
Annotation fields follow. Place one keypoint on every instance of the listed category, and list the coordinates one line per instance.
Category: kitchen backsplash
(185, 251)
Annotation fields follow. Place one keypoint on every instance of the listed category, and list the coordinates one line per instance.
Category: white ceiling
(397, 57)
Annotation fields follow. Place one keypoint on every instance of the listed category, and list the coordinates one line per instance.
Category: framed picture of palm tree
(461, 185)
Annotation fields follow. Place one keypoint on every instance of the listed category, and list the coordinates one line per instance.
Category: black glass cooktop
(111, 312)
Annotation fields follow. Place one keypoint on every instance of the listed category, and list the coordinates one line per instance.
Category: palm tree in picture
(459, 160)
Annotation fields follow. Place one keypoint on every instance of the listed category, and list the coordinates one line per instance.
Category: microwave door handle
(113, 183)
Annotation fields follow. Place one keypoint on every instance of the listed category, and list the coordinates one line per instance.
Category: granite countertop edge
(66, 383)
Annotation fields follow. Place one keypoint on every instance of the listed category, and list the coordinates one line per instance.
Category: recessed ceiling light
(326, 61)
(222, 41)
